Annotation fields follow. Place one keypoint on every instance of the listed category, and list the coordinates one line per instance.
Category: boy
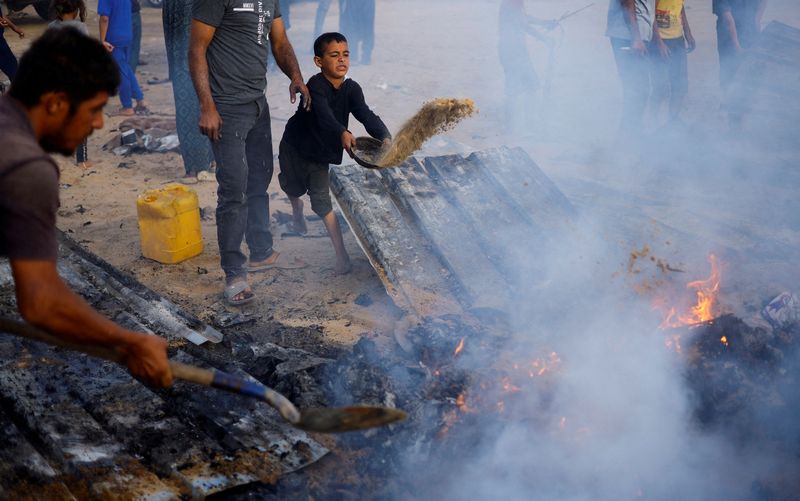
(313, 139)
(672, 40)
(116, 33)
(8, 61)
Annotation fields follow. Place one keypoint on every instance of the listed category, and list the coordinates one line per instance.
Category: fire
(459, 348)
(724, 340)
(705, 308)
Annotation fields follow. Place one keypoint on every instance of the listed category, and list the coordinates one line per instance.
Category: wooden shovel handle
(186, 372)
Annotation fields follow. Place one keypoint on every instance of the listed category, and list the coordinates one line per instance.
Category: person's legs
(8, 61)
(120, 55)
(195, 147)
(319, 19)
(292, 183)
(367, 31)
(678, 77)
(659, 76)
(136, 41)
(231, 214)
(259, 173)
(635, 79)
(320, 195)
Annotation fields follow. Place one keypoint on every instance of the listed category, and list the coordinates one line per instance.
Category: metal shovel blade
(367, 152)
(341, 419)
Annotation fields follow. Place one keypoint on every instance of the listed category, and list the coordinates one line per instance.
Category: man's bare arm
(46, 302)
(637, 45)
(287, 61)
(730, 25)
(687, 31)
(200, 39)
(762, 6)
(103, 29)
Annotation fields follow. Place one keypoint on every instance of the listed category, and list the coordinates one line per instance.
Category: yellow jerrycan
(169, 224)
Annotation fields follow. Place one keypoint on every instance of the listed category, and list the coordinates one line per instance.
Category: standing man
(630, 29)
(738, 26)
(136, 40)
(56, 101)
(357, 22)
(228, 64)
(672, 41)
(195, 147)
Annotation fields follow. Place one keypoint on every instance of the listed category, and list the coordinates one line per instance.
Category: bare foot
(86, 165)
(124, 112)
(343, 267)
(298, 220)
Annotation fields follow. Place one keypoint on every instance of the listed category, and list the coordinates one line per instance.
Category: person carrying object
(672, 41)
(315, 138)
(63, 82)
(228, 64)
(72, 14)
(630, 29)
(116, 33)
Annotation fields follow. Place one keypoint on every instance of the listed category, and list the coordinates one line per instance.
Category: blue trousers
(244, 170)
(8, 61)
(128, 86)
(195, 147)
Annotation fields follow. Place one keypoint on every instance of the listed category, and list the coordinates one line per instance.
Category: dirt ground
(423, 50)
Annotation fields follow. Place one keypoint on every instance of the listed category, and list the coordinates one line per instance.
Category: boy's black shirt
(317, 134)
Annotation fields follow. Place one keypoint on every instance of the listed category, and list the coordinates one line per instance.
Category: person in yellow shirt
(672, 41)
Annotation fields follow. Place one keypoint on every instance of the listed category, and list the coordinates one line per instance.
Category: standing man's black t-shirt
(237, 55)
(317, 134)
(28, 189)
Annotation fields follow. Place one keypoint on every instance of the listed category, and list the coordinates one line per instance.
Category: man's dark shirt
(28, 189)
(744, 15)
(317, 134)
(237, 55)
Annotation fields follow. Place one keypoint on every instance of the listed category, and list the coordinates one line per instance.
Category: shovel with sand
(435, 117)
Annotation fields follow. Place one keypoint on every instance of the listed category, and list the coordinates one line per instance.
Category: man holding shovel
(55, 102)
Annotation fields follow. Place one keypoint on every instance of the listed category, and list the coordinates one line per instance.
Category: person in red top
(56, 101)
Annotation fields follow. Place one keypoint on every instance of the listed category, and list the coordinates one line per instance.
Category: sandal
(236, 288)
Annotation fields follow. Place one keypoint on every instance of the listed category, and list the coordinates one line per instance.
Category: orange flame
(459, 348)
(705, 308)
(724, 340)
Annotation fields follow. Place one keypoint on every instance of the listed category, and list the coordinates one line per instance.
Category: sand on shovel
(433, 118)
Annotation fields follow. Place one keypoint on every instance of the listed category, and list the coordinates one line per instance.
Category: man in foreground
(56, 101)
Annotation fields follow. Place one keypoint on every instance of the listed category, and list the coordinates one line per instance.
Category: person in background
(72, 13)
(56, 101)
(228, 64)
(319, 18)
(116, 34)
(357, 20)
(136, 30)
(8, 61)
(738, 26)
(630, 29)
(521, 81)
(314, 139)
(195, 147)
(672, 41)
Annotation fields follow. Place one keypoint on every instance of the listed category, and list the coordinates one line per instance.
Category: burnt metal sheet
(441, 232)
(75, 427)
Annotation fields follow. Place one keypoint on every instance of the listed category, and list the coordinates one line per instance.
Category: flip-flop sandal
(277, 264)
(142, 110)
(236, 288)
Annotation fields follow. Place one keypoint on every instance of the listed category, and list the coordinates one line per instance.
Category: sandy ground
(423, 50)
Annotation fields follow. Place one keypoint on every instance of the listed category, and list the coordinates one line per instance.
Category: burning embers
(706, 305)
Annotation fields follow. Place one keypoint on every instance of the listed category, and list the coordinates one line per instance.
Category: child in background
(316, 138)
(672, 40)
(72, 13)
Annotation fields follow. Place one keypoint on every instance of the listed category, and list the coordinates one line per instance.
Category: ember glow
(706, 305)
(724, 340)
(459, 348)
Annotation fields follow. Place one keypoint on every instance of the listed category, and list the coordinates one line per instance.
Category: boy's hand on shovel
(348, 142)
